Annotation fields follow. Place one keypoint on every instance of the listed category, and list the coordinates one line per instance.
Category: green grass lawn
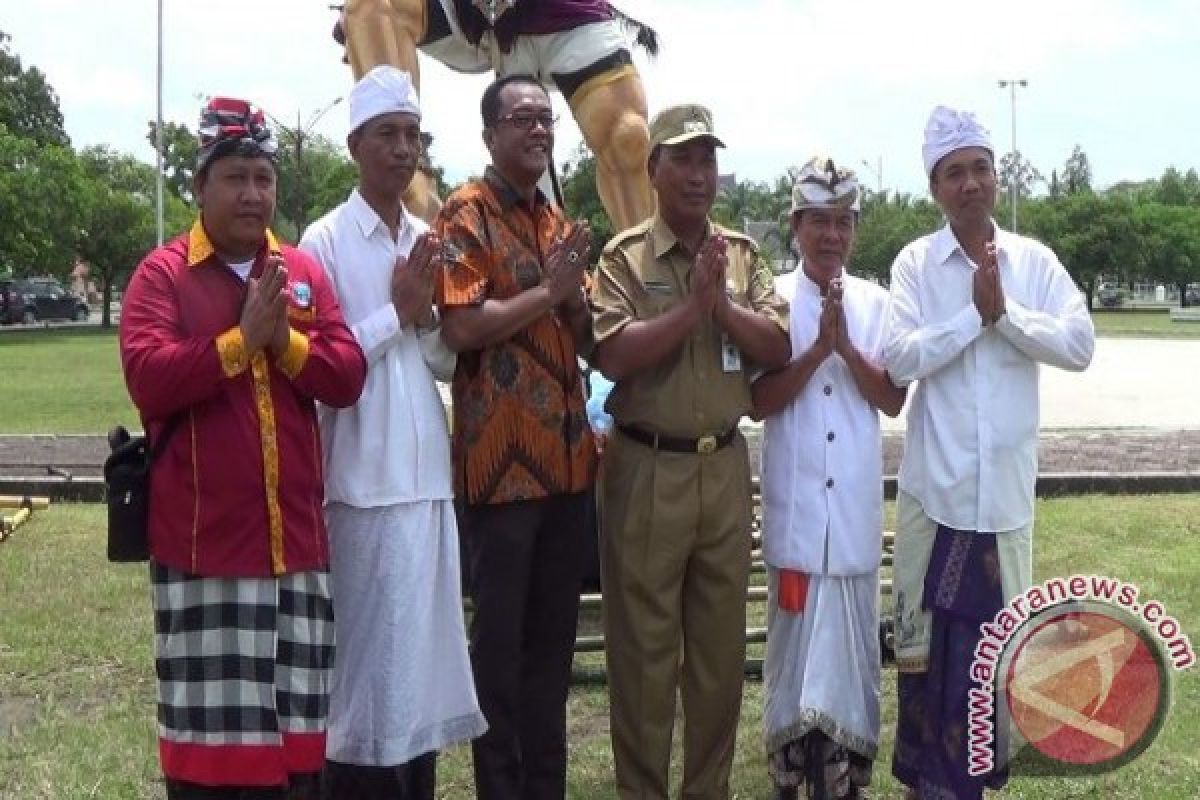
(1150, 324)
(68, 380)
(77, 684)
(62, 380)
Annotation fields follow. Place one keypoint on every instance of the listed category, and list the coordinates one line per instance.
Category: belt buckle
(706, 444)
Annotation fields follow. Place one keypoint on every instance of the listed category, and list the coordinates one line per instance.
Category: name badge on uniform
(658, 287)
(731, 357)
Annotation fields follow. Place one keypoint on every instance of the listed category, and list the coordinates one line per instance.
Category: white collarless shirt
(822, 474)
(393, 445)
(970, 450)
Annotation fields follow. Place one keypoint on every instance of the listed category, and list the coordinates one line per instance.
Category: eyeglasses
(524, 120)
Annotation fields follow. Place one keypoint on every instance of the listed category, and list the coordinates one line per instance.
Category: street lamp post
(298, 135)
(1011, 84)
(158, 131)
(878, 173)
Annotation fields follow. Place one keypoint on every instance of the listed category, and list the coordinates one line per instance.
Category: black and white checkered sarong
(244, 668)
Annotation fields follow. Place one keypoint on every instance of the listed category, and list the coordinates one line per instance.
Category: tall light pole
(878, 173)
(158, 131)
(1011, 84)
(298, 135)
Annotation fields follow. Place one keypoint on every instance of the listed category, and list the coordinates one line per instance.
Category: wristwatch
(435, 321)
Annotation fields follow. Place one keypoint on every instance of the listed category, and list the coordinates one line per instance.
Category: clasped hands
(987, 289)
(833, 334)
(414, 279)
(707, 293)
(566, 264)
(264, 321)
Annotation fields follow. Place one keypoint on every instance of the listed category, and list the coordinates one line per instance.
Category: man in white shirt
(402, 685)
(822, 486)
(975, 311)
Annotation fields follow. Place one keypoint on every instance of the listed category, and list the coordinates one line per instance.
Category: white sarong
(822, 665)
(402, 682)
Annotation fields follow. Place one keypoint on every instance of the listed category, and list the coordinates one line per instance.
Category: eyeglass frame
(534, 119)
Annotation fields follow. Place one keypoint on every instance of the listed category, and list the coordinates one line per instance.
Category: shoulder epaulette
(618, 239)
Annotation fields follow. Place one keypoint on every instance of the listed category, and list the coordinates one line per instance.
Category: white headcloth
(383, 90)
(949, 130)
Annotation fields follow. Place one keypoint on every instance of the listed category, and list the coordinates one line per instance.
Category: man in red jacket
(227, 339)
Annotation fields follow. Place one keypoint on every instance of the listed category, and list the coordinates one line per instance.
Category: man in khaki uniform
(684, 312)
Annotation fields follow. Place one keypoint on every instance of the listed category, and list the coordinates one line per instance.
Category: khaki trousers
(675, 561)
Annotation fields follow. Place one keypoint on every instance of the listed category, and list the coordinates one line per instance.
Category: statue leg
(384, 32)
(611, 113)
(387, 32)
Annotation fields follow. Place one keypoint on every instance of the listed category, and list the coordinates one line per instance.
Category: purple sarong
(962, 590)
(531, 17)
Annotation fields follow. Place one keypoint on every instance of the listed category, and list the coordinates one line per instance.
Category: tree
(118, 219)
(314, 175)
(28, 105)
(1077, 172)
(1177, 189)
(180, 148)
(1093, 235)
(1016, 169)
(886, 224)
(1170, 244)
(581, 200)
(118, 229)
(1054, 188)
(40, 203)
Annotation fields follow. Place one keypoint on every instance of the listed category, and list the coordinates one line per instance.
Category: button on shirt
(822, 455)
(393, 445)
(970, 454)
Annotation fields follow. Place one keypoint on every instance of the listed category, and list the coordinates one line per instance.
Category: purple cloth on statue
(530, 17)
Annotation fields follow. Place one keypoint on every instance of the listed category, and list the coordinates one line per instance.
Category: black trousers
(415, 780)
(524, 574)
(301, 787)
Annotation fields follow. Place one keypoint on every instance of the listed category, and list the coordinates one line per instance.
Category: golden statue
(579, 46)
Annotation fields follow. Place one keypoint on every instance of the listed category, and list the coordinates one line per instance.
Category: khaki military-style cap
(679, 124)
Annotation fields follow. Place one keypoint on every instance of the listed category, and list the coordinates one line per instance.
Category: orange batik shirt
(520, 429)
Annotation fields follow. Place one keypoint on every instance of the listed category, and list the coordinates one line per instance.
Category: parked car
(1110, 297)
(31, 300)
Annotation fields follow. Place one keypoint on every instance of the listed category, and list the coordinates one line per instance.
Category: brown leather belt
(675, 444)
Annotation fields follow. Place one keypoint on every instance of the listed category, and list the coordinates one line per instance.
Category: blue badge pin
(302, 294)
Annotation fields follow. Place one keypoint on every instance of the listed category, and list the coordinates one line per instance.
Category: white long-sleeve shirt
(970, 451)
(393, 445)
(822, 474)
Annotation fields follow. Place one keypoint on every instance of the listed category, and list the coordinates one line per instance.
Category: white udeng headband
(383, 90)
(948, 130)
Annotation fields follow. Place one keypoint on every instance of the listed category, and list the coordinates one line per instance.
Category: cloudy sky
(785, 78)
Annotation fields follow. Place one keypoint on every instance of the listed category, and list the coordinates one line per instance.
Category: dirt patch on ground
(17, 714)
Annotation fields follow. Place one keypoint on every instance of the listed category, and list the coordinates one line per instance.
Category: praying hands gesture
(988, 292)
(413, 281)
(831, 327)
(264, 313)
(707, 279)
(565, 265)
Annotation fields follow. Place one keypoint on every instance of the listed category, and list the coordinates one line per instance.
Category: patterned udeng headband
(233, 127)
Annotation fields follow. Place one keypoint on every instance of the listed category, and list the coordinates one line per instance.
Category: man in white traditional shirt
(402, 678)
(822, 487)
(975, 311)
